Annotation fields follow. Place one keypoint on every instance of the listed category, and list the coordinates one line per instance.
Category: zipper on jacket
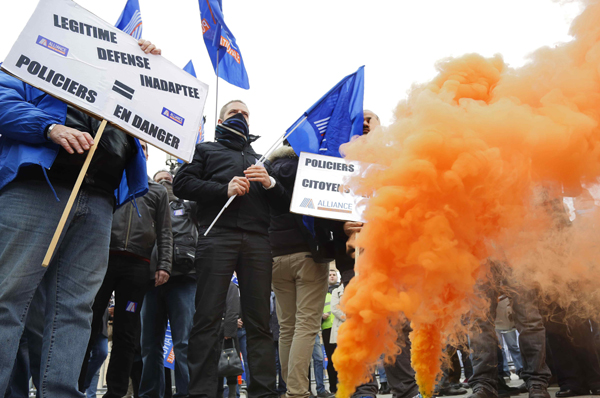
(129, 225)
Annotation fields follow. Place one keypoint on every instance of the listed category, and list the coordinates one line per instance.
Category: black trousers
(576, 360)
(129, 278)
(329, 349)
(400, 374)
(217, 256)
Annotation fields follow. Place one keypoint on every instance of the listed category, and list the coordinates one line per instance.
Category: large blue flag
(333, 120)
(221, 44)
(130, 20)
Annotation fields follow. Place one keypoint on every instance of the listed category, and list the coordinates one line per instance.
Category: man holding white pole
(239, 241)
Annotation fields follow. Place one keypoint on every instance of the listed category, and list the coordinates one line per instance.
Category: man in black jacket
(300, 273)
(238, 242)
(173, 301)
(135, 231)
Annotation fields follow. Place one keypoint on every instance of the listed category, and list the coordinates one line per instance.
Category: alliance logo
(131, 306)
(50, 45)
(338, 207)
(308, 203)
(173, 116)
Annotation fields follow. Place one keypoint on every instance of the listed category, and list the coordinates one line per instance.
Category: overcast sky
(295, 51)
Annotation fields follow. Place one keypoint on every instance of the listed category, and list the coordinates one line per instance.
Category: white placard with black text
(72, 54)
(319, 188)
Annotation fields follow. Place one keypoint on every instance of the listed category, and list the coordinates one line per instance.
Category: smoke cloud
(476, 164)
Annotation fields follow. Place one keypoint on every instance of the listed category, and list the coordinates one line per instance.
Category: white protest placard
(72, 54)
(319, 188)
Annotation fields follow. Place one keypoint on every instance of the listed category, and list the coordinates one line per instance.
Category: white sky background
(295, 51)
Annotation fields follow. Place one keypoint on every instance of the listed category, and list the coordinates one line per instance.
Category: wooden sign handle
(65, 215)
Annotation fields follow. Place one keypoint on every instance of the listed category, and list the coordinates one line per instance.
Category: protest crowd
(140, 288)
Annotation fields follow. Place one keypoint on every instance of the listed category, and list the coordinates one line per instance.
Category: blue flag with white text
(221, 45)
(333, 120)
(130, 20)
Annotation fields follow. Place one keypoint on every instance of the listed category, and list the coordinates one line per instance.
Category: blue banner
(130, 20)
(333, 120)
(221, 45)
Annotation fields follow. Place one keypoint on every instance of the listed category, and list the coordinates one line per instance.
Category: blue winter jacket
(24, 114)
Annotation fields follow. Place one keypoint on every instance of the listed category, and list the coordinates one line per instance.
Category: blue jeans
(29, 215)
(512, 343)
(381, 370)
(317, 357)
(97, 357)
(173, 301)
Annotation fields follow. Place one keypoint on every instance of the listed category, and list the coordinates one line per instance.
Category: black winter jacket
(287, 232)
(232, 311)
(205, 181)
(185, 237)
(137, 235)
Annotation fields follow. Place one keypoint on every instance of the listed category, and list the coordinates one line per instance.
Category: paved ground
(515, 382)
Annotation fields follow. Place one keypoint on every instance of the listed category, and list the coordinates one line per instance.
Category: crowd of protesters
(265, 282)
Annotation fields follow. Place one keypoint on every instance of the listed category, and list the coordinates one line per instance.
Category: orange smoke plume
(462, 159)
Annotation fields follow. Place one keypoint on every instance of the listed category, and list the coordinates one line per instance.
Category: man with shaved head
(239, 242)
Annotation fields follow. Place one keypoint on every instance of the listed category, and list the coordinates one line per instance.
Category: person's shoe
(384, 388)
(595, 391)
(504, 390)
(523, 388)
(480, 392)
(450, 391)
(571, 393)
(538, 391)
(325, 394)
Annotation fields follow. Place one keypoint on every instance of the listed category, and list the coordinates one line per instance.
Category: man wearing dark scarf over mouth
(239, 242)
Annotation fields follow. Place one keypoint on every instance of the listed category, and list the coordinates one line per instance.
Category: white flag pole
(283, 137)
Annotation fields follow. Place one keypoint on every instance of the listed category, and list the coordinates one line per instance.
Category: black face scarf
(169, 185)
(233, 132)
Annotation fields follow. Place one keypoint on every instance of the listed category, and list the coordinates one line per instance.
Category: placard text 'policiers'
(70, 53)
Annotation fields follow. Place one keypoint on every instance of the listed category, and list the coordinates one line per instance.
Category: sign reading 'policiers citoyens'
(319, 188)
(72, 54)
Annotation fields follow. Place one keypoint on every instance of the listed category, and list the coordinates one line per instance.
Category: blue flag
(130, 20)
(333, 120)
(220, 42)
(189, 68)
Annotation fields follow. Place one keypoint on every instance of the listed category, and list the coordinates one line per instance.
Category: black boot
(480, 392)
(538, 391)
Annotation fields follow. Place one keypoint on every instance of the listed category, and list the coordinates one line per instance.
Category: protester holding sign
(132, 241)
(238, 242)
(38, 132)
